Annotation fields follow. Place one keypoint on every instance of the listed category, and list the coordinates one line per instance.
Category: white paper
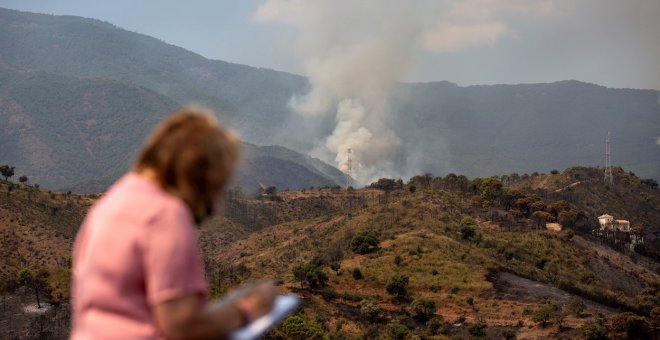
(283, 306)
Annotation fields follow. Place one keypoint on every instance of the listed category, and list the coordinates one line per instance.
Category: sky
(608, 42)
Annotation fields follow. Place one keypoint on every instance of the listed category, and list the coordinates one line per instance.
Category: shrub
(633, 325)
(371, 332)
(592, 330)
(398, 260)
(365, 242)
(540, 263)
(468, 232)
(435, 325)
(329, 294)
(467, 221)
(586, 278)
(554, 172)
(357, 274)
(398, 331)
(316, 278)
(508, 334)
(398, 285)
(335, 266)
(477, 329)
(544, 313)
(576, 305)
(470, 301)
(423, 309)
(296, 327)
(370, 310)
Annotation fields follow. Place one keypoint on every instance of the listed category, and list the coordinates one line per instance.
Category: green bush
(357, 274)
(477, 329)
(423, 309)
(592, 330)
(467, 221)
(329, 294)
(370, 311)
(508, 334)
(371, 332)
(576, 306)
(544, 313)
(468, 232)
(398, 331)
(365, 242)
(436, 325)
(296, 327)
(398, 285)
(634, 326)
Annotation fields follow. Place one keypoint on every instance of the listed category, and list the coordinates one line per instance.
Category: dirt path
(568, 186)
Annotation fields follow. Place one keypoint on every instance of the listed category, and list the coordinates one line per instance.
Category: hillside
(86, 48)
(81, 134)
(64, 130)
(472, 252)
(474, 130)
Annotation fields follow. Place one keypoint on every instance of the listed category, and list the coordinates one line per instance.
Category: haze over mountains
(113, 85)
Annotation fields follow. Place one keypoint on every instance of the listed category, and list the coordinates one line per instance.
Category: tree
(23, 179)
(365, 242)
(576, 306)
(544, 313)
(398, 285)
(386, 184)
(36, 280)
(541, 217)
(300, 273)
(7, 171)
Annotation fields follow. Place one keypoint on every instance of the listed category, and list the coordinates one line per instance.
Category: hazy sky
(614, 43)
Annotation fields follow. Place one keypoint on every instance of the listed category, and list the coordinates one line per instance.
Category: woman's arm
(191, 318)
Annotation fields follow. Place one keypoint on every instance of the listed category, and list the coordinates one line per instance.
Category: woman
(137, 272)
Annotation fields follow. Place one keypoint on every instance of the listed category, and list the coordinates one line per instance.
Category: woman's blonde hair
(193, 157)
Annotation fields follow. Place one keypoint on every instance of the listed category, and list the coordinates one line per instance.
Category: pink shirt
(136, 249)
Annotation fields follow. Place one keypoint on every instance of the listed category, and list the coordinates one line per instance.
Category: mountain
(498, 129)
(64, 130)
(443, 127)
(86, 48)
(81, 134)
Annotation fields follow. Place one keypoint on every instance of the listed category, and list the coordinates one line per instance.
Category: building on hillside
(553, 227)
(618, 231)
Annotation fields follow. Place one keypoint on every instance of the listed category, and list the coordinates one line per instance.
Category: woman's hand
(190, 318)
(255, 301)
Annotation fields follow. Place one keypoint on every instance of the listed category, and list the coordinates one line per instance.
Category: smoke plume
(355, 52)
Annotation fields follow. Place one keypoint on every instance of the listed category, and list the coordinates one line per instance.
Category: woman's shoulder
(137, 198)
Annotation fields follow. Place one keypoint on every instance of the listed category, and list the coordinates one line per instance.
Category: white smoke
(355, 52)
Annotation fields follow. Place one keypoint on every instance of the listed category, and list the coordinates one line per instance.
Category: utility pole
(349, 167)
(609, 179)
